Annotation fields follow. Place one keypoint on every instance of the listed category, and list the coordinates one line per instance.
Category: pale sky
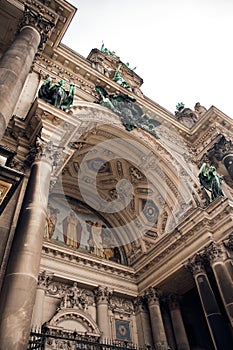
(183, 49)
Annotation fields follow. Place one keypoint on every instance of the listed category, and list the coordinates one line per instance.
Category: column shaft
(15, 65)
(212, 313)
(102, 301)
(143, 323)
(158, 331)
(19, 290)
(178, 326)
(103, 319)
(37, 317)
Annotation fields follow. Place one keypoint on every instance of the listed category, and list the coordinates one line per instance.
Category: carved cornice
(76, 257)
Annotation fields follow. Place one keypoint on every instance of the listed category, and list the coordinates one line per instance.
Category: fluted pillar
(158, 331)
(210, 306)
(143, 323)
(44, 279)
(216, 255)
(19, 290)
(177, 323)
(102, 301)
(16, 62)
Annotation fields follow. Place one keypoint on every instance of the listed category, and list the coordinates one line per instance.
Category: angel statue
(211, 181)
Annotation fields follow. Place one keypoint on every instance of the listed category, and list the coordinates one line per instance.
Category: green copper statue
(118, 78)
(56, 94)
(211, 181)
(108, 52)
(130, 113)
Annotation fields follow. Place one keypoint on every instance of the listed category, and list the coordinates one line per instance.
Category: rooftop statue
(200, 110)
(56, 94)
(118, 78)
(211, 181)
(131, 114)
(185, 115)
(108, 52)
(181, 111)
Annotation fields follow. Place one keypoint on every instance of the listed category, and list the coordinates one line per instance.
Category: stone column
(217, 257)
(210, 307)
(19, 290)
(169, 329)
(102, 302)
(44, 279)
(177, 323)
(16, 62)
(143, 323)
(158, 331)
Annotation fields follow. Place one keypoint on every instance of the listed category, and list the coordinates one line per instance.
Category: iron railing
(73, 341)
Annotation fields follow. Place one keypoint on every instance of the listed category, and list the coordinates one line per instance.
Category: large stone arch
(162, 178)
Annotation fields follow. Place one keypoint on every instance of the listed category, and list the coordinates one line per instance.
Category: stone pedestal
(177, 322)
(19, 291)
(158, 331)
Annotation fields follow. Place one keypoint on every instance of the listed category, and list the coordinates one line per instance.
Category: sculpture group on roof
(187, 116)
(130, 113)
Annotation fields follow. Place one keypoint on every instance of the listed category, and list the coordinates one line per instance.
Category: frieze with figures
(73, 225)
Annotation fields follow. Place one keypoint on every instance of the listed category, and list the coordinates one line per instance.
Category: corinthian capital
(46, 151)
(214, 253)
(102, 294)
(152, 295)
(34, 19)
(196, 264)
(229, 242)
(44, 279)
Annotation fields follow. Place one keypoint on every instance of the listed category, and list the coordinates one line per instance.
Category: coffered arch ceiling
(138, 184)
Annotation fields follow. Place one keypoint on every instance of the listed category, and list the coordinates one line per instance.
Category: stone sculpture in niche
(56, 94)
(211, 181)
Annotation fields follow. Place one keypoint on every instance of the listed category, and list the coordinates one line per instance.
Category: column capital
(139, 303)
(152, 295)
(44, 279)
(196, 264)
(102, 294)
(229, 242)
(46, 151)
(173, 301)
(32, 18)
(214, 253)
